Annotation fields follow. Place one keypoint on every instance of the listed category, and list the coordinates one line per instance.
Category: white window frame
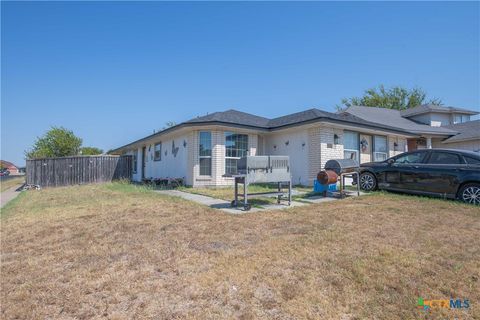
(375, 153)
(203, 156)
(159, 158)
(234, 158)
(357, 152)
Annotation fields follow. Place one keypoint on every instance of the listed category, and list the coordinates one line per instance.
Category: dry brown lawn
(121, 252)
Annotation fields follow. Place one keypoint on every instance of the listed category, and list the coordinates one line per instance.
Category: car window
(445, 158)
(414, 157)
(471, 160)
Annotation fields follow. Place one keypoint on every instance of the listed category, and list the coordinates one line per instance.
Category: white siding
(433, 119)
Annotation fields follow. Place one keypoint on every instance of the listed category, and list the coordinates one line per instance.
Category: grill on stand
(339, 169)
(263, 169)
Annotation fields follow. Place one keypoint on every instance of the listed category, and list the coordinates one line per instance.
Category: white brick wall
(218, 159)
(400, 148)
(322, 148)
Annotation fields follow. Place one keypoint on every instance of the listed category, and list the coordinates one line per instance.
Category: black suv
(443, 173)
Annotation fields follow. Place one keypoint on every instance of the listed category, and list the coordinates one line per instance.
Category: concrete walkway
(9, 194)
(225, 205)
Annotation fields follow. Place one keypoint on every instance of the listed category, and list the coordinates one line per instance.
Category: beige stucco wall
(292, 143)
(170, 166)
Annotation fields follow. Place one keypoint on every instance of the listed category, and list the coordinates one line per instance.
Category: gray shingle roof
(238, 118)
(434, 108)
(233, 117)
(469, 130)
(393, 118)
(246, 119)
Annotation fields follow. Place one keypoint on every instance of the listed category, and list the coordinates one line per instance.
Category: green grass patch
(7, 209)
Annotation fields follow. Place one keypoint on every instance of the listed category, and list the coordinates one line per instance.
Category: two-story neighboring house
(205, 150)
(436, 126)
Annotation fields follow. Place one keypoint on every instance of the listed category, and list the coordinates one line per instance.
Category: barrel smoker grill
(341, 168)
(263, 169)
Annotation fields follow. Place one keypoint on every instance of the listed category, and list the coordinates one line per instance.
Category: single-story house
(204, 150)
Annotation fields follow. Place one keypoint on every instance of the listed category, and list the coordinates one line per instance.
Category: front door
(144, 160)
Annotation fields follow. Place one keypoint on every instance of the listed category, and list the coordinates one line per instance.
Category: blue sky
(114, 71)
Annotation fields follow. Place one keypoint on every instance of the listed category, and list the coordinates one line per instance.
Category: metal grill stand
(344, 168)
(264, 170)
(342, 182)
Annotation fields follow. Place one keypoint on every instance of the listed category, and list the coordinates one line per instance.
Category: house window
(158, 152)
(205, 153)
(134, 162)
(461, 118)
(379, 148)
(236, 146)
(351, 145)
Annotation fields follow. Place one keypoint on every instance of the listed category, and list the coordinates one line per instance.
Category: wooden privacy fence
(66, 171)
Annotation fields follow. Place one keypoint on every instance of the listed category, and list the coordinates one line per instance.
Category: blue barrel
(318, 187)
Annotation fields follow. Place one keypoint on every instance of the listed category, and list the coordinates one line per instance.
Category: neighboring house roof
(469, 130)
(426, 108)
(7, 164)
(242, 119)
(393, 118)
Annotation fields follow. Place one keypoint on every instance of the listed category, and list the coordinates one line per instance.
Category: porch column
(429, 143)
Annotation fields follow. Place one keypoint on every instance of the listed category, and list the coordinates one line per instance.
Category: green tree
(90, 151)
(56, 142)
(391, 98)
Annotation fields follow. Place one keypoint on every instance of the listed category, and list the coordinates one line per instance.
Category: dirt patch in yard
(122, 252)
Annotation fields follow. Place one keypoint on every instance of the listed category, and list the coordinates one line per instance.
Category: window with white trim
(205, 152)
(236, 147)
(379, 148)
(351, 145)
(157, 152)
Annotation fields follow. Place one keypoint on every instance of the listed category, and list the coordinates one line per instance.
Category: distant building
(9, 166)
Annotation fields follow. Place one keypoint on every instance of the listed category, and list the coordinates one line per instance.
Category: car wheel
(470, 193)
(368, 182)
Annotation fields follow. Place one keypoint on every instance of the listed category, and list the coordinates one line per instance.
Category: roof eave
(185, 125)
